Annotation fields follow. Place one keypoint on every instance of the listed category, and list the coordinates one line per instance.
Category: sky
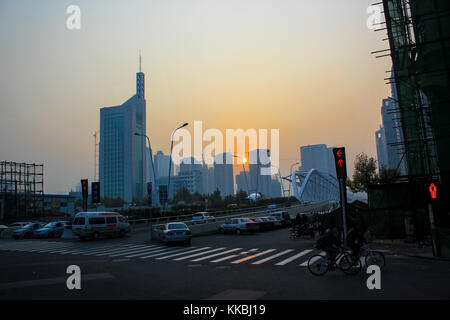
(301, 66)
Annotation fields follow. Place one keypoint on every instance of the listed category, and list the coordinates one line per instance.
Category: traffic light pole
(344, 207)
(433, 229)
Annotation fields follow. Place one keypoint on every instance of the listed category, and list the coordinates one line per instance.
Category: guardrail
(217, 214)
(212, 225)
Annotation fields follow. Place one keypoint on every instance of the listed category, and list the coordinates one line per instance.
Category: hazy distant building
(319, 157)
(259, 160)
(189, 177)
(389, 137)
(208, 179)
(381, 148)
(241, 181)
(122, 156)
(223, 174)
(275, 188)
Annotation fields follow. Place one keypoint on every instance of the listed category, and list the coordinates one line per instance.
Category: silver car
(174, 232)
(239, 225)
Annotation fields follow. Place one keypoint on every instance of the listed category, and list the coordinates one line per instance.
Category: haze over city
(302, 67)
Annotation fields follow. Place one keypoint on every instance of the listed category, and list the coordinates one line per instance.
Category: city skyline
(204, 61)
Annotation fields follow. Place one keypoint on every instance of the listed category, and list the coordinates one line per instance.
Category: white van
(97, 224)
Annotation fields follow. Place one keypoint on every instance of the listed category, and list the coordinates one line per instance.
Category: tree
(365, 173)
(388, 175)
(215, 199)
(183, 195)
(241, 197)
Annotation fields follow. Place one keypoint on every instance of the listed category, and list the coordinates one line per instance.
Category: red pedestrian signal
(433, 191)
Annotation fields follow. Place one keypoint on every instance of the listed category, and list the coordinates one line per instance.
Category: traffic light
(84, 188)
(433, 190)
(340, 163)
(95, 192)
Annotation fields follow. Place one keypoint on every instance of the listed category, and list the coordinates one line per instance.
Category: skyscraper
(223, 174)
(389, 137)
(381, 148)
(122, 156)
(259, 161)
(318, 157)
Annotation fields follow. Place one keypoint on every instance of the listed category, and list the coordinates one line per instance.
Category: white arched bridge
(314, 186)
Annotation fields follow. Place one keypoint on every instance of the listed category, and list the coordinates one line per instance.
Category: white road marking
(305, 264)
(198, 254)
(273, 257)
(163, 252)
(119, 250)
(152, 250)
(253, 256)
(290, 259)
(217, 254)
(146, 248)
(179, 254)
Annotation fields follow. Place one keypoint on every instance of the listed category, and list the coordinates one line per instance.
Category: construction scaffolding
(21, 190)
(419, 39)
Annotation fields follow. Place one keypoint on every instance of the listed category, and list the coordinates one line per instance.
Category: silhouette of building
(223, 174)
(122, 156)
(319, 157)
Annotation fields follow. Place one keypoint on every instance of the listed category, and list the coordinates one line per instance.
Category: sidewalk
(399, 247)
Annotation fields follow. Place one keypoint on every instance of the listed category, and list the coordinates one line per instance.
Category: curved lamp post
(154, 178)
(292, 182)
(170, 159)
(244, 160)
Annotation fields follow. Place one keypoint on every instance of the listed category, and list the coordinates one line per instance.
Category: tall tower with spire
(122, 156)
(140, 81)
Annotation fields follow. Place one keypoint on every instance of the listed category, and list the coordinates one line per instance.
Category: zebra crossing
(233, 256)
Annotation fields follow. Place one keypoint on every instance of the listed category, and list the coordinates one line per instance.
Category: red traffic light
(433, 190)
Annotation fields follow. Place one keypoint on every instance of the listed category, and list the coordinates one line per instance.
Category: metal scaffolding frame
(22, 189)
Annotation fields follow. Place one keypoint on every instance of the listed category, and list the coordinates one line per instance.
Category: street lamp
(244, 160)
(292, 182)
(170, 159)
(154, 178)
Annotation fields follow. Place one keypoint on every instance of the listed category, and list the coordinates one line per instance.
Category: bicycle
(320, 264)
(372, 257)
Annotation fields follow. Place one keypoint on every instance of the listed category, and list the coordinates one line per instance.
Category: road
(266, 265)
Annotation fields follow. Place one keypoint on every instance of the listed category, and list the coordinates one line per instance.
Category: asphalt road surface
(266, 265)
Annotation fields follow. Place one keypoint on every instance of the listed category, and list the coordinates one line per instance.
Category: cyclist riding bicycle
(330, 243)
(355, 240)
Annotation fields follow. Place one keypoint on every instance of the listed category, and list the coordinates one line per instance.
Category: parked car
(174, 232)
(276, 222)
(259, 222)
(3, 228)
(202, 217)
(97, 224)
(239, 225)
(263, 225)
(269, 223)
(27, 231)
(18, 225)
(283, 216)
(272, 207)
(51, 230)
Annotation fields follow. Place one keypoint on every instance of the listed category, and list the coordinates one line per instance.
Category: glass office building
(122, 153)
